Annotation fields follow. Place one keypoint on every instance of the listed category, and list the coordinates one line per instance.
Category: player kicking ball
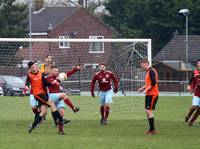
(151, 90)
(54, 91)
(104, 78)
(55, 88)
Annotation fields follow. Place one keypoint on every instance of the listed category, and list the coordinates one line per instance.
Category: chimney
(83, 3)
(39, 4)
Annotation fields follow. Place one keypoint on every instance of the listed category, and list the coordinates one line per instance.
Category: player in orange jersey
(151, 90)
(38, 83)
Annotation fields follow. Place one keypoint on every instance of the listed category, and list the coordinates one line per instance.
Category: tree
(155, 19)
(94, 7)
(13, 19)
(13, 24)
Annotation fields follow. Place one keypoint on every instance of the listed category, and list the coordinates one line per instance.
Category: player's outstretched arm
(72, 71)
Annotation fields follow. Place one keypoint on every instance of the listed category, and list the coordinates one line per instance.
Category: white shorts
(196, 101)
(106, 97)
(32, 100)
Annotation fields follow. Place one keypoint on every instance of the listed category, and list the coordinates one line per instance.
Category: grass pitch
(124, 131)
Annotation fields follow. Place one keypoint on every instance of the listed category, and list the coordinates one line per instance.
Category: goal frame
(30, 40)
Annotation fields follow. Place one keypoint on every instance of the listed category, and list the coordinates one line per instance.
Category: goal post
(122, 57)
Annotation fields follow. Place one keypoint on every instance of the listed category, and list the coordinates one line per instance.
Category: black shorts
(150, 102)
(42, 99)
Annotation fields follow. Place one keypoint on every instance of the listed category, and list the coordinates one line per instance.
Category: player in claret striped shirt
(55, 94)
(151, 90)
(104, 78)
(195, 88)
(195, 100)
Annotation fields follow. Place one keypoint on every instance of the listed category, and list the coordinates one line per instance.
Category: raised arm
(72, 71)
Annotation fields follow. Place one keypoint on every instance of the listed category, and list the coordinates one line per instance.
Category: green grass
(124, 131)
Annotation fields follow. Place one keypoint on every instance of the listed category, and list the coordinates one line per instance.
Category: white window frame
(64, 44)
(97, 37)
(93, 66)
(23, 64)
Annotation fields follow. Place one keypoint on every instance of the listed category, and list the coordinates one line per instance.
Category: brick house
(170, 61)
(63, 23)
(68, 22)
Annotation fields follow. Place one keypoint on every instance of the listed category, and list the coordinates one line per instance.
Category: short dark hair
(102, 64)
(31, 63)
(198, 60)
(53, 66)
(144, 60)
(48, 56)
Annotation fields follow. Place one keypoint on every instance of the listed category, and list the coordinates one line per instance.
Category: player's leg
(107, 106)
(39, 117)
(34, 105)
(57, 115)
(44, 99)
(67, 101)
(102, 101)
(150, 103)
(61, 108)
(190, 112)
(194, 117)
(60, 105)
(55, 98)
(195, 102)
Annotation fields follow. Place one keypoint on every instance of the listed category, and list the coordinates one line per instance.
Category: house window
(96, 47)
(64, 44)
(91, 66)
(23, 64)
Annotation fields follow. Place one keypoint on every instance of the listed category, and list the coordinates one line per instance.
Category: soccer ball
(62, 76)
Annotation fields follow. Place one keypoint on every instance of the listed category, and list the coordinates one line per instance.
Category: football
(62, 76)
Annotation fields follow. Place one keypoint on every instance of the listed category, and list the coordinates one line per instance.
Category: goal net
(122, 57)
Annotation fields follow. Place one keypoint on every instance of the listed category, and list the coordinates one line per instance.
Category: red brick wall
(83, 25)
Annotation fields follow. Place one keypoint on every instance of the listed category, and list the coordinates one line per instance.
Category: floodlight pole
(186, 44)
(186, 12)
